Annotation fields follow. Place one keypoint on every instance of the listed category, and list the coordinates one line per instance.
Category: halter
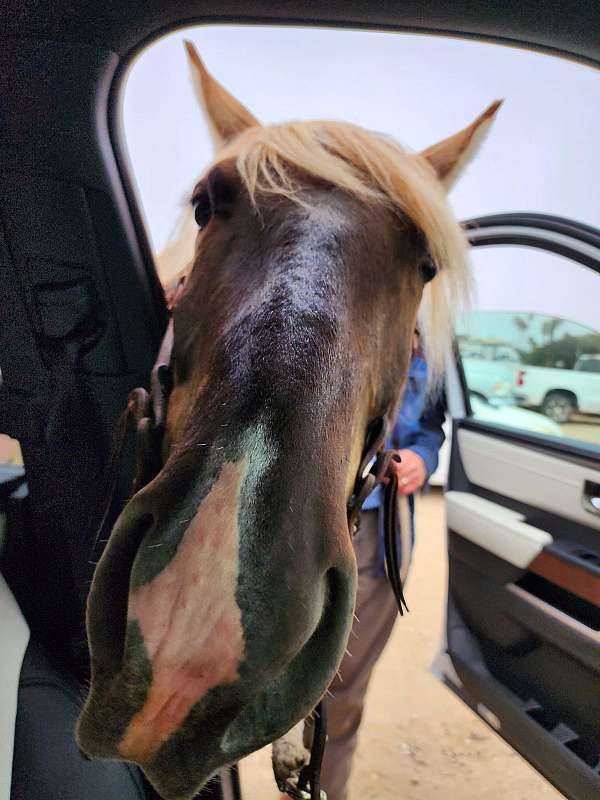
(149, 410)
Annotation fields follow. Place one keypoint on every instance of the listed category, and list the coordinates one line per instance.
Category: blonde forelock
(375, 169)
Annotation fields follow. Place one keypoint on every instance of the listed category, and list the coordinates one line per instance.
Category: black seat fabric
(47, 764)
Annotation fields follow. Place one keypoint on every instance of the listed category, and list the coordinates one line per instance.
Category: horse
(222, 604)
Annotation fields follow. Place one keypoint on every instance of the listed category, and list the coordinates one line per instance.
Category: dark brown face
(221, 608)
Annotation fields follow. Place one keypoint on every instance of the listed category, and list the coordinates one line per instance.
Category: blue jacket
(417, 428)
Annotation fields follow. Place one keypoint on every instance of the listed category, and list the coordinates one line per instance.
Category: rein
(376, 468)
(148, 412)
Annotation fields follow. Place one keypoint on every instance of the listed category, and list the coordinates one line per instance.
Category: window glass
(526, 369)
(588, 363)
(540, 155)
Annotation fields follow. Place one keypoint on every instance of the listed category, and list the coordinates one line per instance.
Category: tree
(549, 327)
(567, 350)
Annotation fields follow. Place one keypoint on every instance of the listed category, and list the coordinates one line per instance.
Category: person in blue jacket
(417, 437)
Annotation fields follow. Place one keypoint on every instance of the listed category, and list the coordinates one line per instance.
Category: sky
(541, 153)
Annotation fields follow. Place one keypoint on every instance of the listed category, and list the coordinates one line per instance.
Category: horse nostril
(112, 580)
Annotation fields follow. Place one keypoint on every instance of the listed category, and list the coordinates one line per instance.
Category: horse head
(220, 609)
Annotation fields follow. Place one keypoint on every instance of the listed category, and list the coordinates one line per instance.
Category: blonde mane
(375, 169)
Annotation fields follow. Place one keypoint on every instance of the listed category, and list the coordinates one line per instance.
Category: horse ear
(226, 116)
(450, 156)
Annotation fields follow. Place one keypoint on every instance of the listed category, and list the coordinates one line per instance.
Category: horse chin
(179, 775)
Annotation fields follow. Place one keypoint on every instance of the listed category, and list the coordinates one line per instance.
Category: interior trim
(567, 575)
(14, 635)
(543, 481)
(495, 528)
(564, 620)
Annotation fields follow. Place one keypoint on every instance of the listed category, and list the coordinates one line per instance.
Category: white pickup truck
(559, 393)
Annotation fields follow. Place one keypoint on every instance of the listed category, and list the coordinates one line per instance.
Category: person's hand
(411, 471)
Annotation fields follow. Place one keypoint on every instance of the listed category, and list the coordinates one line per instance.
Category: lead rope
(375, 468)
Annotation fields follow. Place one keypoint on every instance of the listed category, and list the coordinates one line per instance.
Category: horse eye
(202, 209)
(428, 269)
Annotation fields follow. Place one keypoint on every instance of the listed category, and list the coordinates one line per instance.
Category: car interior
(82, 316)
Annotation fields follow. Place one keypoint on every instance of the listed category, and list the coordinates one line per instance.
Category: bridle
(148, 410)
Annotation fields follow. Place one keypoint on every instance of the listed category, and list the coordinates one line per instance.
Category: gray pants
(376, 611)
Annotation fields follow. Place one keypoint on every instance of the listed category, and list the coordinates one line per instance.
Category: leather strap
(309, 782)
(391, 524)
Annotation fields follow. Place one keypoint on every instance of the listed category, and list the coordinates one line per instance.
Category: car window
(588, 364)
(417, 88)
(526, 369)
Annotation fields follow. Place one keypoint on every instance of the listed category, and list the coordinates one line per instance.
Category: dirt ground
(418, 741)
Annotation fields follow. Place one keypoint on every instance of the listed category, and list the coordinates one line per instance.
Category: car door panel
(528, 668)
(548, 482)
(523, 615)
(534, 729)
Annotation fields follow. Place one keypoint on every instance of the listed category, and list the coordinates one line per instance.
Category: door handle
(591, 497)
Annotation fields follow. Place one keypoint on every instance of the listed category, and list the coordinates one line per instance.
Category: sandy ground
(419, 742)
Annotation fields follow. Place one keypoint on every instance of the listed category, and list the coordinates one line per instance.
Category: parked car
(490, 381)
(559, 393)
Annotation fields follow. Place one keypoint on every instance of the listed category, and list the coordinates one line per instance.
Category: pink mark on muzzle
(189, 619)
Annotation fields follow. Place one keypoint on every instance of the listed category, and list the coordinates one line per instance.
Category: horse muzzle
(195, 661)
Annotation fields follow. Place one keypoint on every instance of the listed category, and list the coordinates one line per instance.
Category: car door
(523, 505)
(588, 369)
